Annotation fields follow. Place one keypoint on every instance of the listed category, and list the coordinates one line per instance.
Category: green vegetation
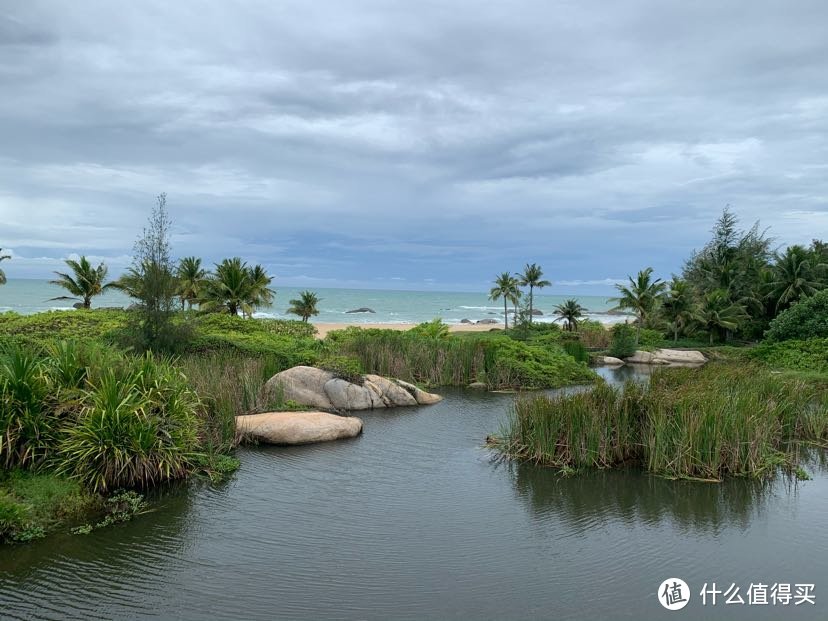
(805, 356)
(85, 282)
(623, 342)
(235, 287)
(305, 306)
(688, 423)
(494, 358)
(192, 279)
(804, 320)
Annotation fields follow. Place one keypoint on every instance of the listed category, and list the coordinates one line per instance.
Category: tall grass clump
(499, 361)
(688, 423)
(96, 415)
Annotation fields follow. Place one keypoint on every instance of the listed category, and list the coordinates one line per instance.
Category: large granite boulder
(305, 385)
(667, 356)
(322, 389)
(297, 427)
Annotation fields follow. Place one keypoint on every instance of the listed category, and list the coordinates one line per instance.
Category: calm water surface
(415, 520)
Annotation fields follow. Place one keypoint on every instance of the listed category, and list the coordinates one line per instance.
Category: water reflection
(631, 496)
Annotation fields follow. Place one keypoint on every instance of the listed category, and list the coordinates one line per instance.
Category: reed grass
(688, 423)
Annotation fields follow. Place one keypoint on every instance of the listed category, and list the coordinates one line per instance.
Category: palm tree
(795, 276)
(718, 313)
(191, 279)
(85, 283)
(570, 311)
(679, 306)
(262, 293)
(506, 287)
(532, 277)
(641, 297)
(305, 306)
(3, 257)
(235, 287)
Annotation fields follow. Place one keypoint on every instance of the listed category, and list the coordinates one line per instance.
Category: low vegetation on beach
(687, 423)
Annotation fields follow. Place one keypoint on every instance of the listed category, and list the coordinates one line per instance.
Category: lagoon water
(416, 520)
(31, 296)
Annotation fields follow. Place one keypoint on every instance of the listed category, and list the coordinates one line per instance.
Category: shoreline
(324, 327)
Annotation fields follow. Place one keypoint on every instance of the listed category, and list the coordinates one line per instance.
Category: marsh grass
(688, 423)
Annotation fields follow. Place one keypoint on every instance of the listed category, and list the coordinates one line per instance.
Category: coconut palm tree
(234, 287)
(641, 297)
(191, 280)
(3, 257)
(794, 276)
(718, 314)
(262, 293)
(506, 287)
(570, 312)
(532, 277)
(305, 306)
(679, 306)
(85, 282)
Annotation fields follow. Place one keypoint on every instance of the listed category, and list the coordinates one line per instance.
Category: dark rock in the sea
(487, 321)
(77, 305)
(363, 309)
(536, 312)
(466, 321)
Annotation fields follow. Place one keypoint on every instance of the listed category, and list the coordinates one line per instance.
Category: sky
(400, 145)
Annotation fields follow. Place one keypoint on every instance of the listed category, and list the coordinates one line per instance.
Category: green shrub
(434, 329)
(346, 367)
(804, 320)
(650, 338)
(138, 426)
(810, 355)
(576, 349)
(622, 344)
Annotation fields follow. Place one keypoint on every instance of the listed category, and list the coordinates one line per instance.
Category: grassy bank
(688, 423)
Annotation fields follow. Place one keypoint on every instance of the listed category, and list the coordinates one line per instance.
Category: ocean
(33, 296)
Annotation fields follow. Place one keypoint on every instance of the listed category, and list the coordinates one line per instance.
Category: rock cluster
(667, 356)
(322, 389)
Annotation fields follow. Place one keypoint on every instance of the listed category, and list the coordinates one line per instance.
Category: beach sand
(322, 329)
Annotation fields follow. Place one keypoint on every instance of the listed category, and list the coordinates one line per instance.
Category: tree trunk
(531, 303)
(505, 312)
(675, 335)
(638, 329)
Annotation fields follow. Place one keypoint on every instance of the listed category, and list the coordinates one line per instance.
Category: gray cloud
(442, 143)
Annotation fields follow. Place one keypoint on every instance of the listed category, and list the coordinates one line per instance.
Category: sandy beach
(322, 329)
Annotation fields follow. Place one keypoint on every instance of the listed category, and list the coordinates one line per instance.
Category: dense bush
(576, 349)
(622, 344)
(101, 417)
(810, 355)
(97, 324)
(807, 319)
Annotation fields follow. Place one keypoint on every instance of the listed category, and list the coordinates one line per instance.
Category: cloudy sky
(423, 145)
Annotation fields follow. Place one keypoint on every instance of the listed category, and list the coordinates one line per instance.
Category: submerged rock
(322, 389)
(466, 321)
(488, 321)
(297, 427)
(363, 309)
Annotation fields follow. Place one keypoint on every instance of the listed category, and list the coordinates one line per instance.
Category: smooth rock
(305, 385)
(643, 357)
(77, 305)
(478, 386)
(390, 393)
(297, 427)
(608, 361)
(487, 321)
(680, 356)
(344, 395)
(363, 309)
(466, 321)
(422, 397)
